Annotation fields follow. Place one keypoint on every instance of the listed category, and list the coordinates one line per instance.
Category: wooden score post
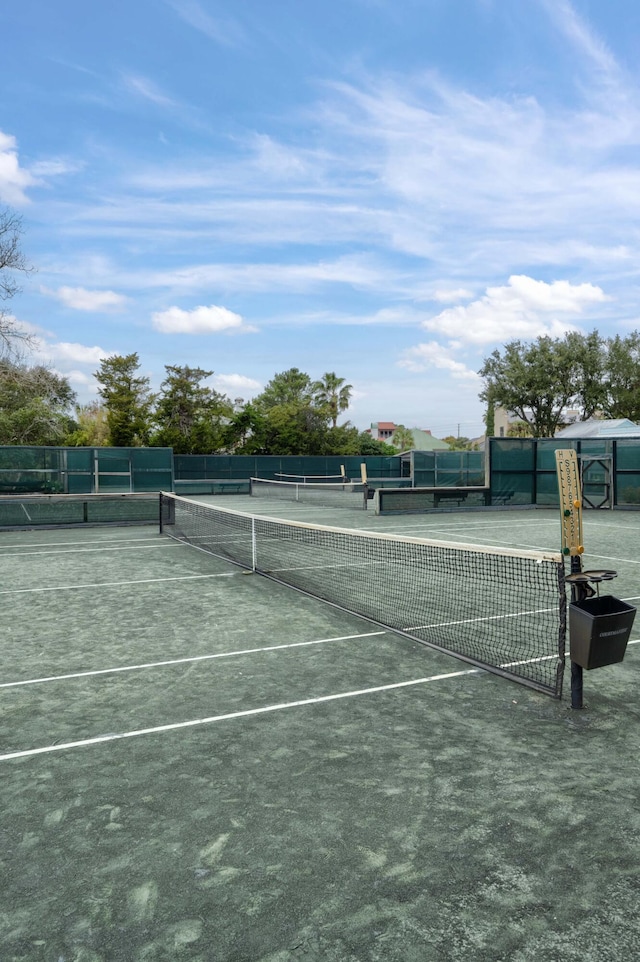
(570, 504)
(572, 546)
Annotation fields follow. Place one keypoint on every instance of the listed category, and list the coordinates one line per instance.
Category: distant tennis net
(312, 478)
(346, 494)
(499, 609)
(63, 510)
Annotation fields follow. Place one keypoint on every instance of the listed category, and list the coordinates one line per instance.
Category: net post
(578, 593)
(572, 546)
(254, 546)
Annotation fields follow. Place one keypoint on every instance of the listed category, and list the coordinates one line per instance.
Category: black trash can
(599, 630)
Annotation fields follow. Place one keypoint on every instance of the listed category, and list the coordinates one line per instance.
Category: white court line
(99, 739)
(183, 661)
(49, 544)
(473, 621)
(75, 551)
(463, 527)
(116, 584)
(604, 557)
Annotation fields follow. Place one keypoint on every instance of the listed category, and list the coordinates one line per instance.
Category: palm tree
(402, 438)
(332, 394)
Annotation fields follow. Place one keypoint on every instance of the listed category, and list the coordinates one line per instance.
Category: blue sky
(387, 189)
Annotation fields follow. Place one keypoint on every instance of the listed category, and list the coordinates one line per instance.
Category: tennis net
(312, 478)
(496, 608)
(53, 510)
(350, 494)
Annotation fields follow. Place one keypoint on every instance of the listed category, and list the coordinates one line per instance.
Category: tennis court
(200, 763)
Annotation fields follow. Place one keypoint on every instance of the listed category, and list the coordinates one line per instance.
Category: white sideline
(118, 736)
(99, 739)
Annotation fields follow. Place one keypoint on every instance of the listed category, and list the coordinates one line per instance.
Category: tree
(289, 387)
(35, 405)
(332, 394)
(246, 431)
(590, 356)
(458, 443)
(295, 428)
(537, 381)
(622, 385)
(402, 438)
(92, 430)
(12, 260)
(490, 416)
(519, 429)
(191, 415)
(289, 421)
(368, 445)
(127, 398)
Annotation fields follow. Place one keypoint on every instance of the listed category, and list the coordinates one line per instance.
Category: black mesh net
(503, 610)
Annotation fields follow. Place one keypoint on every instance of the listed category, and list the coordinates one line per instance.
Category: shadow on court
(199, 764)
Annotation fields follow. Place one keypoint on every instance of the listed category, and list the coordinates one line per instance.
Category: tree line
(541, 381)
(293, 415)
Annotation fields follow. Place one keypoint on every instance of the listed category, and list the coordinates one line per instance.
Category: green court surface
(197, 763)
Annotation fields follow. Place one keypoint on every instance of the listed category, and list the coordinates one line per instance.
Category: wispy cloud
(148, 90)
(355, 271)
(224, 31)
(200, 320)
(583, 37)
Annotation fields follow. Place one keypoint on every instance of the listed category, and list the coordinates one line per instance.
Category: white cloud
(236, 384)
(523, 308)
(425, 356)
(76, 353)
(449, 297)
(81, 299)
(14, 180)
(86, 383)
(201, 320)
(65, 354)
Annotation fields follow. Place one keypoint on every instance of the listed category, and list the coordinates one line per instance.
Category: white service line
(117, 584)
(99, 739)
(183, 661)
(473, 621)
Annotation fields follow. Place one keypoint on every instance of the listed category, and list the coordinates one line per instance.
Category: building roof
(423, 441)
(597, 428)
